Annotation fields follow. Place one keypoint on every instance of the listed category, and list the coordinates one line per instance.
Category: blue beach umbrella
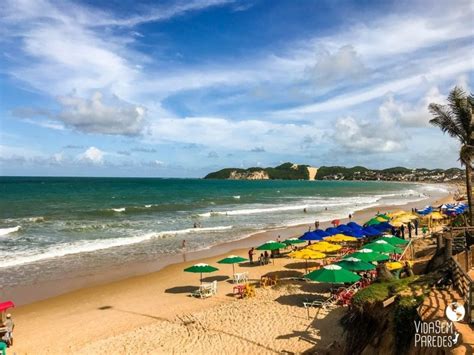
(354, 225)
(371, 231)
(332, 231)
(355, 233)
(383, 226)
(311, 236)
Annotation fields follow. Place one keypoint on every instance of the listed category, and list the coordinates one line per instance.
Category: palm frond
(444, 119)
(466, 154)
(460, 107)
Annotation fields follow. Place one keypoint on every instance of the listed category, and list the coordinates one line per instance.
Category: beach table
(241, 277)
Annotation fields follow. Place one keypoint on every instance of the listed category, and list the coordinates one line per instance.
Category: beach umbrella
(306, 254)
(395, 213)
(355, 233)
(354, 264)
(380, 219)
(392, 240)
(201, 268)
(271, 245)
(372, 222)
(340, 238)
(436, 216)
(397, 223)
(395, 265)
(324, 247)
(371, 231)
(368, 255)
(232, 259)
(292, 241)
(383, 247)
(332, 231)
(332, 274)
(383, 216)
(311, 236)
(383, 226)
(354, 225)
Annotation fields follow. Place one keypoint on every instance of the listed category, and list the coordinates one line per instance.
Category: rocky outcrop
(252, 175)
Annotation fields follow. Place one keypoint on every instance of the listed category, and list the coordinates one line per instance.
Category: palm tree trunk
(469, 191)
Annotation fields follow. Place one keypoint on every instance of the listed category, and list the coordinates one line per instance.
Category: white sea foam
(122, 209)
(6, 231)
(237, 197)
(147, 206)
(87, 246)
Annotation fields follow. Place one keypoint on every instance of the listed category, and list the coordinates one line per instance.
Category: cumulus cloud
(258, 150)
(93, 155)
(212, 155)
(96, 116)
(342, 65)
(363, 137)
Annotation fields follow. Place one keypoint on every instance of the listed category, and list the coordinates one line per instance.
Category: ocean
(51, 226)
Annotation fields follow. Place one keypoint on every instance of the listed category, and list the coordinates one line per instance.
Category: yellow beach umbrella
(381, 219)
(396, 223)
(396, 213)
(411, 216)
(436, 216)
(340, 238)
(324, 247)
(306, 254)
(395, 265)
(403, 219)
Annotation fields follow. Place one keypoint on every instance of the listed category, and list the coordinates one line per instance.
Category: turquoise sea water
(49, 226)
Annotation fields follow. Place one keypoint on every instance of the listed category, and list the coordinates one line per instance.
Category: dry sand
(154, 313)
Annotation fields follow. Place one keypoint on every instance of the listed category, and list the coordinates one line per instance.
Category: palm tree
(456, 119)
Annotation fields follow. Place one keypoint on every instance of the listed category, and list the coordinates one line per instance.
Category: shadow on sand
(182, 289)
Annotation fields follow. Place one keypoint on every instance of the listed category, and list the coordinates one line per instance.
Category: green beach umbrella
(384, 216)
(292, 241)
(232, 259)
(271, 245)
(201, 268)
(392, 240)
(354, 264)
(332, 274)
(368, 255)
(382, 247)
(372, 222)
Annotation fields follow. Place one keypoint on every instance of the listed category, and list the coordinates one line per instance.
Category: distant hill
(290, 171)
(286, 171)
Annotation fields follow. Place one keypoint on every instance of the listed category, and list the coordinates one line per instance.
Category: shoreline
(95, 313)
(27, 294)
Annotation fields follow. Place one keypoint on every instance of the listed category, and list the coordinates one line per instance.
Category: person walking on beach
(183, 245)
(350, 216)
(316, 224)
(9, 325)
(251, 255)
(402, 229)
(410, 227)
(416, 227)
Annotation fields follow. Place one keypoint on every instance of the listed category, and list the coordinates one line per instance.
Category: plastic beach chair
(3, 348)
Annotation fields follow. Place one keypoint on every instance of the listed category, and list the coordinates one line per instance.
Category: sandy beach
(154, 313)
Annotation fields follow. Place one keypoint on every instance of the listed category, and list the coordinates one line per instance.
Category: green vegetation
(455, 119)
(284, 171)
(380, 291)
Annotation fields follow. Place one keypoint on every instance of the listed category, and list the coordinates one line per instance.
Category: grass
(380, 291)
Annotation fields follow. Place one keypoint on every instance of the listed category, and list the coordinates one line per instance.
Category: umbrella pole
(201, 278)
(233, 269)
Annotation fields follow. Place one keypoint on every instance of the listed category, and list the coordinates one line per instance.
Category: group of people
(7, 330)
(409, 229)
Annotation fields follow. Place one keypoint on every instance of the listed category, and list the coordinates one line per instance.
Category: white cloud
(364, 137)
(93, 155)
(240, 135)
(95, 116)
(342, 65)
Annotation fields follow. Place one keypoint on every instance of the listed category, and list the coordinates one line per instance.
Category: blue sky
(181, 88)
